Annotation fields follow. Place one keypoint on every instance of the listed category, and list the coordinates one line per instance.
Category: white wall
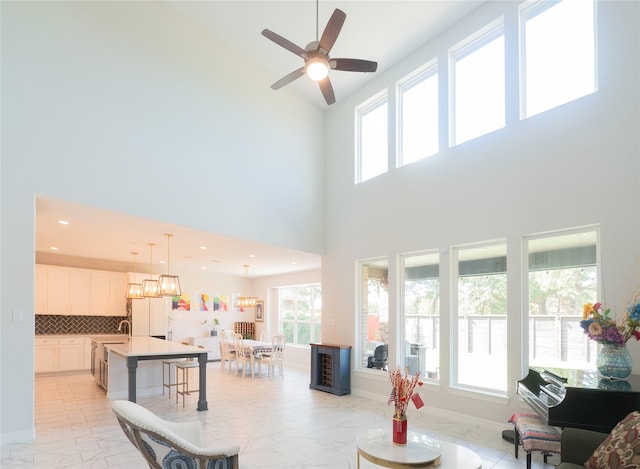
(128, 107)
(572, 166)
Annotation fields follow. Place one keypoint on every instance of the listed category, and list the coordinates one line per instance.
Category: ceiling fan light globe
(317, 69)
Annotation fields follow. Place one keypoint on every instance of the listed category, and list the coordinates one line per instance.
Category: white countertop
(108, 337)
(149, 346)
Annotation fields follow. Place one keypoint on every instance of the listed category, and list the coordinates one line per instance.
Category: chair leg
(529, 460)
(516, 442)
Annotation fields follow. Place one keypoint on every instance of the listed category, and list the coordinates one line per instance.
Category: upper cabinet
(108, 293)
(79, 292)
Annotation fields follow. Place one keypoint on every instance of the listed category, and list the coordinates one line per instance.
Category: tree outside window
(300, 310)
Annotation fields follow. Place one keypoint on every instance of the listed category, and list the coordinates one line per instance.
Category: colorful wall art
(181, 303)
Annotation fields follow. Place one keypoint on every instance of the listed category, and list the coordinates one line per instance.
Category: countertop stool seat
(167, 366)
(534, 435)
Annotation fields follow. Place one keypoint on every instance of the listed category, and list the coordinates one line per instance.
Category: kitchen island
(126, 356)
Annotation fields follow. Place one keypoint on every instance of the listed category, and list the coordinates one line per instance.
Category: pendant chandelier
(169, 284)
(246, 301)
(151, 287)
(134, 289)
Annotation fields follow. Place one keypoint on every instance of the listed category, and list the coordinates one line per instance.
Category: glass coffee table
(420, 451)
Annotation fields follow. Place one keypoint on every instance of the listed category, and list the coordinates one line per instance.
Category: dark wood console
(331, 368)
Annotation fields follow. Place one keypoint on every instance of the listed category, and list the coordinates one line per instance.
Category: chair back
(170, 444)
(238, 345)
(277, 346)
(381, 356)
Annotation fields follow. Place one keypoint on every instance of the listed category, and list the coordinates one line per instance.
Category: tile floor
(278, 424)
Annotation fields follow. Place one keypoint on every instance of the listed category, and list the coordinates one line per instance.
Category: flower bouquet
(613, 360)
(402, 392)
(599, 326)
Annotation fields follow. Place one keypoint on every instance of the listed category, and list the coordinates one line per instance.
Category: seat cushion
(621, 449)
(534, 434)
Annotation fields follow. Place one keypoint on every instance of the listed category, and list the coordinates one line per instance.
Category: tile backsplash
(53, 324)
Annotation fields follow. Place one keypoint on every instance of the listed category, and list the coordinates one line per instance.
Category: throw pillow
(621, 449)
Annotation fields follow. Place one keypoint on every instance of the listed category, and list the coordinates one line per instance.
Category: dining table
(254, 348)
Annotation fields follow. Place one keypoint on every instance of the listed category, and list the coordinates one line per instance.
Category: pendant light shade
(169, 284)
(134, 289)
(245, 301)
(151, 287)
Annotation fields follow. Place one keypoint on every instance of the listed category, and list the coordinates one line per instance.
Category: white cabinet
(78, 292)
(40, 306)
(71, 354)
(107, 293)
(100, 302)
(62, 354)
(57, 290)
(149, 316)
(117, 292)
(61, 290)
(46, 353)
(211, 343)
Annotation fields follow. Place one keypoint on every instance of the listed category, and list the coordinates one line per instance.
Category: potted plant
(213, 324)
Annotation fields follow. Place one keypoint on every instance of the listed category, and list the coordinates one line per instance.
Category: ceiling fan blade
(327, 90)
(353, 65)
(286, 43)
(285, 80)
(331, 31)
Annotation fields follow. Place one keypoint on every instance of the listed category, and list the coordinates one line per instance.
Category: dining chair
(243, 357)
(264, 337)
(274, 357)
(165, 444)
(227, 354)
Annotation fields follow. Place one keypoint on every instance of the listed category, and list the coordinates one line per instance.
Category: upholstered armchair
(577, 445)
(167, 445)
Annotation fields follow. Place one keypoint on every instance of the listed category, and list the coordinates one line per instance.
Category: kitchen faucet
(127, 323)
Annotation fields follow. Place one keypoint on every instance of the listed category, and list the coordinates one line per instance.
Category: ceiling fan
(317, 61)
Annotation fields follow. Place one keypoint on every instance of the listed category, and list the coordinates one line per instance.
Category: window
(478, 85)
(418, 116)
(558, 53)
(374, 314)
(481, 304)
(421, 291)
(562, 276)
(300, 310)
(372, 152)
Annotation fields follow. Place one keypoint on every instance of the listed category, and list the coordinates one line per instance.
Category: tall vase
(614, 361)
(399, 430)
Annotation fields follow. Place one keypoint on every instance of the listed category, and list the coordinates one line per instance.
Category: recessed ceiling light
(252, 255)
(294, 263)
(53, 248)
(63, 222)
(204, 248)
(204, 267)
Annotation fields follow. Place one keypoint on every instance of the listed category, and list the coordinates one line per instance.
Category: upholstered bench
(534, 435)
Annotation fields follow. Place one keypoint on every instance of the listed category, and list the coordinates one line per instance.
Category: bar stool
(184, 367)
(167, 365)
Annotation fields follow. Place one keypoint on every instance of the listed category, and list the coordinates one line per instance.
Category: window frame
(463, 49)
(454, 328)
(527, 11)
(402, 317)
(295, 321)
(420, 75)
(525, 343)
(373, 103)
